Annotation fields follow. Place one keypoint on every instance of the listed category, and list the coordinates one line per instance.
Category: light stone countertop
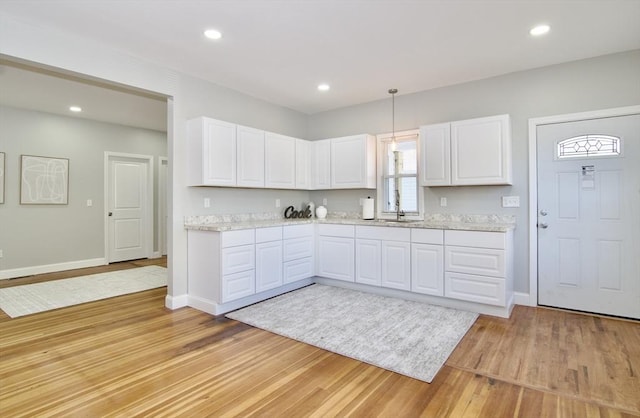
(219, 223)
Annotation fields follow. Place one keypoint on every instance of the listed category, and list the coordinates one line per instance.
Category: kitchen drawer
(481, 239)
(298, 269)
(239, 237)
(238, 285)
(383, 233)
(482, 261)
(297, 231)
(427, 236)
(481, 289)
(331, 230)
(237, 259)
(297, 248)
(273, 233)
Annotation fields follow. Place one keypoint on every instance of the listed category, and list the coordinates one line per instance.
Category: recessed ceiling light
(323, 87)
(75, 108)
(212, 34)
(539, 30)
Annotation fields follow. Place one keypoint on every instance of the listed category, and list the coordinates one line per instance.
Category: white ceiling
(280, 51)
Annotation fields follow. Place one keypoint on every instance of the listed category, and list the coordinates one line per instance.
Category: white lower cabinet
(295, 270)
(396, 265)
(383, 256)
(231, 269)
(427, 261)
(479, 266)
(238, 285)
(368, 262)
(336, 252)
(298, 251)
(427, 273)
(268, 265)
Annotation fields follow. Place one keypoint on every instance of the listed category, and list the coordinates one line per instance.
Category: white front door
(128, 205)
(589, 215)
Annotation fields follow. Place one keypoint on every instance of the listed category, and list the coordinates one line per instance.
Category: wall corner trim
(521, 298)
(175, 302)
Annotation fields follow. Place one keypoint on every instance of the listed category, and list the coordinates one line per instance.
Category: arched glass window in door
(589, 146)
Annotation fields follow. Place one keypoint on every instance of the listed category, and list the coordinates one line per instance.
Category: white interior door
(589, 215)
(128, 206)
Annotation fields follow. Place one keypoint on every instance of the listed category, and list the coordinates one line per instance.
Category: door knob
(543, 212)
(110, 213)
(543, 225)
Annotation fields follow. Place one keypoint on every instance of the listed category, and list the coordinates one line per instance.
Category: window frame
(382, 170)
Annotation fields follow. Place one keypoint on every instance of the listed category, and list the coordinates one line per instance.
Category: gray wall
(598, 83)
(33, 235)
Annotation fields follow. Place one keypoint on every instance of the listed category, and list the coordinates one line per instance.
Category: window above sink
(399, 195)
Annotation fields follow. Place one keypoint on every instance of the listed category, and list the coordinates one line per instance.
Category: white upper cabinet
(303, 164)
(435, 155)
(250, 157)
(280, 161)
(469, 152)
(211, 151)
(353, 162)
(321, 164)
(481, 151)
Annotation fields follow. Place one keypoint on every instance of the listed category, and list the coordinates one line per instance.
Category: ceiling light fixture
(213, 34)
(323, 87)
(394, 144)
(75, 108)
(539, 30)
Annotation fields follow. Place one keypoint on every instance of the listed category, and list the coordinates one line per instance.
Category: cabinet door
(481, 151)
(481, 261)
(250, 157)
(298, 269)
(238, 285)
(427, 272)
(211, 152)
(280, 161)
(368, 261)
(321, 168)
(303, 164)
(268, 265)
(353, 163)
(435, 155)
(298, 248)
(481, 289)
(336, 258)
(396, 265)
(237, 259)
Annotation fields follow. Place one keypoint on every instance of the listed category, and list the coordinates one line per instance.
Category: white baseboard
(175, 302)
(520, 298)
(50, 268)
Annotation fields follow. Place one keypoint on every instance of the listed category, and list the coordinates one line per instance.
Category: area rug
(410, 338)
(39, 297)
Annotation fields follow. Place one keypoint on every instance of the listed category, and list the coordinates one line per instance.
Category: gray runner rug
(410, 338)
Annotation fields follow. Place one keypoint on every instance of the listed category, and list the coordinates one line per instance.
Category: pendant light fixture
(394, 144)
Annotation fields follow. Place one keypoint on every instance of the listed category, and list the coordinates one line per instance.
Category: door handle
(543, 225)
(110, 213)
(543, 212)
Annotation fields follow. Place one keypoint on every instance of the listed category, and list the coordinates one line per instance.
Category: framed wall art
(44, 180)
(2, 156)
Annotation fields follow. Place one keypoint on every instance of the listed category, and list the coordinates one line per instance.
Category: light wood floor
(129, 356)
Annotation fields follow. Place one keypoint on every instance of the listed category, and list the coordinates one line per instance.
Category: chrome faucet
(399, 212)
